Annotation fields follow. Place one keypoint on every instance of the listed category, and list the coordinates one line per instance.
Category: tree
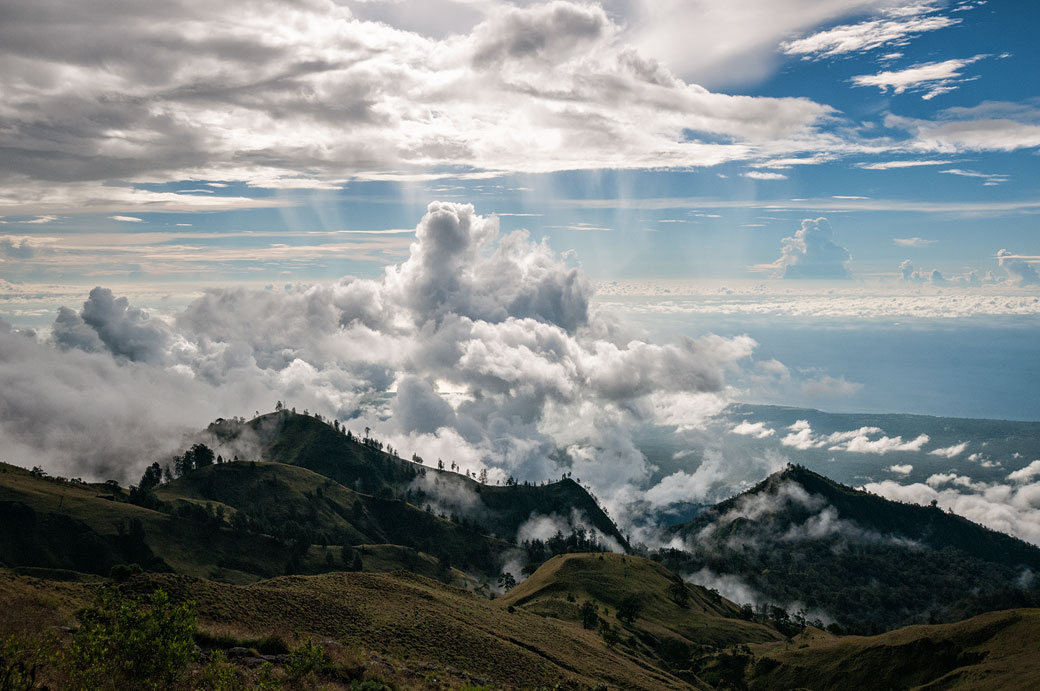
(589, 614)
(152, 476)
(679, 594)
(482, 478)
(629, 608)
(506, 581)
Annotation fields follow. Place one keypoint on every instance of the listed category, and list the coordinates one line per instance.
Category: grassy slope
(608, 578)
(413, 622)
(58, 525)
(997, 650)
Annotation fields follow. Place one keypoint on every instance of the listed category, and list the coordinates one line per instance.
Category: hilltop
(862, 561)
(363, 465)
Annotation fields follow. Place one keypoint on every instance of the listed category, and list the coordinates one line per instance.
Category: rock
(238, 651)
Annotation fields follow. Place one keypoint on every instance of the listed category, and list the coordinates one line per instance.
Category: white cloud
(990, 178)
(933, 78)
(812, 253)
(1020, 270)
(802, 437)
(761, 175)
(950, 451)
(1011, 510)
(890, 165)
(1025, 474)
(126, 219)
(991, 126)
(758, 430)
(904, 469)
(913, 242)
(869, 35)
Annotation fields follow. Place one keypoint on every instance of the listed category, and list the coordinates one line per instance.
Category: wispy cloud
(889, 165)
(933, 78)
(913, 242)
(127, 219)
(865, 36)
(990, 178)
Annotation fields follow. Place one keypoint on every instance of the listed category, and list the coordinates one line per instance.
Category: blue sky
(837, 97)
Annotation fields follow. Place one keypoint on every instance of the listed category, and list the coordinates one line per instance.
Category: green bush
(307, 658)
(124, 643)
(21, 659)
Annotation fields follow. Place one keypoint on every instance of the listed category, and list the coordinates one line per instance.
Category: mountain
(863, 562)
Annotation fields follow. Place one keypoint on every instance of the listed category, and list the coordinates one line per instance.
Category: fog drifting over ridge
(487, 342)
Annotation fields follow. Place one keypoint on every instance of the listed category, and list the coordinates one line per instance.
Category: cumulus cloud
(753, 429)
(479, 348)
(1020, 269)
(110, 323)
(871, 440)
(904, 469)
(1025, 474)
(812, 253)
(950, 451)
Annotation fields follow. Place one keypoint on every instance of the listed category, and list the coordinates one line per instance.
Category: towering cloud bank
(478, 348)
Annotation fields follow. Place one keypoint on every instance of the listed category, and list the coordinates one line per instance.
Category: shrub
(21, 659)
(307, 658)
(123, 643)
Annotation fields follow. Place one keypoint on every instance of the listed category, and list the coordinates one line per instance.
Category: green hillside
(304, 507)
(867, 563)
(308, 442)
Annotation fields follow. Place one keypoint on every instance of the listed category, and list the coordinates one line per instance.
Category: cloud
(933, 78)
(753, 429)
(126, 219)
(479, 348)
(812, 253)
(760, 175)
(18, 247)
(913, 242)
(801, 436)
(307, 95)
(1012, 510)
(1025, 474)
(890, 165)
(990, 178)
(830, 386)
(868, 35)
(905, 469)
(950, 451)
(991, 126)
(109, 323)
(1019, 270)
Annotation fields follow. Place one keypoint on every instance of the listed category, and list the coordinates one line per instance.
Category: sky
(510, 233)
